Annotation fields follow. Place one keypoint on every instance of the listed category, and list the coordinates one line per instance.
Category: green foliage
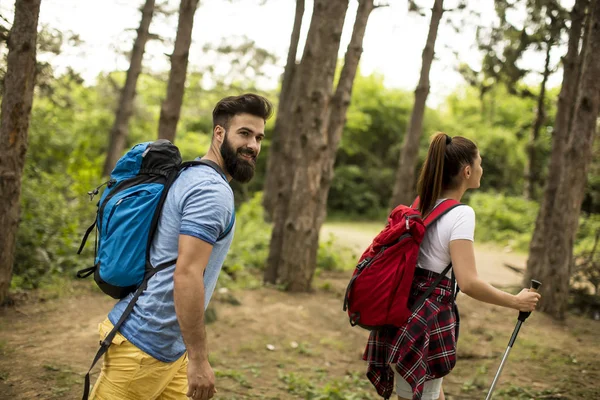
(503, 219)
(49, 230)
(351, 387)
(517, 392)
(368, 155)
(500, 130)
(360, 192)
(250, 248)
(58, 173)
(68, 139)
(237, 376)
(334, 257)
(587, 253)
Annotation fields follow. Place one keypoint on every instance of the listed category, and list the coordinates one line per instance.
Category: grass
(62, 377)
(350, 387)
(237, 376)
(550, 360)
(367, 227)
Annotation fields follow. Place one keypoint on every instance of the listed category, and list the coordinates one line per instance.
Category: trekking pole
(535, 285)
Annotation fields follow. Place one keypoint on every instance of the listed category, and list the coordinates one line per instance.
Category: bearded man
(160, 351)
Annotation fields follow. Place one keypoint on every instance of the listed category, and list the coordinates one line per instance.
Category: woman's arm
(462, 253)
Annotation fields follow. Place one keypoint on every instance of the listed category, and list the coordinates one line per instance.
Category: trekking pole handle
(535, 285)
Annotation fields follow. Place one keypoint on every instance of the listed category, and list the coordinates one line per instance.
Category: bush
(587, 253)
(360, 192)
(250, 247)
(506, 220)
(247, 257)
(49, 231)
(510, 221)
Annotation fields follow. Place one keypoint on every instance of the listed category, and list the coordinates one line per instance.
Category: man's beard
(240, 169)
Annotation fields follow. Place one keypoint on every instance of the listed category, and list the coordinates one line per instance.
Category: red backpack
(378, 292)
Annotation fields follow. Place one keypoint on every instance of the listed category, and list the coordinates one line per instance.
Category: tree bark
(120, 129)
(294, 233)
(17, 100)
(563, 224)
(532, 167)
(339, 107)
(584, 40)
(171, 106)
(404, 190)
(537, 260)
(280, 132)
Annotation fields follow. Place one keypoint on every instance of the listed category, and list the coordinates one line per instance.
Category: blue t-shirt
(199, 204)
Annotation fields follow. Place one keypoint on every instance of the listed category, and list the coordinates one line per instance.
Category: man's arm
(189, 293)
(193, 256)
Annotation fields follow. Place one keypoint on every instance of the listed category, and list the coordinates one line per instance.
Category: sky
(392, 45)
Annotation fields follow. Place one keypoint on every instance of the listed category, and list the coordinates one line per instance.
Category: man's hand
(201, 380)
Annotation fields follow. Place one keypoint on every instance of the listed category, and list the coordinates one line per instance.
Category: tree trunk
(120, 129)
(17, 100)
(537, 260)
(339, 107)
(404, 190)
(586, 27)
(280, 132)
(563, 224)
(171, 106)
(294, 233)
(532, 167)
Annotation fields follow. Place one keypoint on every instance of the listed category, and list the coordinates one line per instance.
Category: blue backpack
(126, 222)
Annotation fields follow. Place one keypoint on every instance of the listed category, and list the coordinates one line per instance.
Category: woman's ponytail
(430, 184)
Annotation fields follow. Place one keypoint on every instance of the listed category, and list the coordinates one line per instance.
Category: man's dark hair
(248, 103)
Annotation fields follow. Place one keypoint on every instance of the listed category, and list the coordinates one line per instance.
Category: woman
(424, 349)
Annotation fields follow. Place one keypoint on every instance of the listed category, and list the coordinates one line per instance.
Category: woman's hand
(526, 300)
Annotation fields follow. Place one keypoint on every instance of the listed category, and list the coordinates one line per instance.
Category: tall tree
(547, 19)
(311, 86)
(17, 100)
(118, 133)
(537, 260)
(532, 167)
(405, 175)
(553, 265)
(171, 106)
(274, 173)
(339, 107)
(317, 120)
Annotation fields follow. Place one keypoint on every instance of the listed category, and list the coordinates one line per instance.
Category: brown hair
(249, 103)
(445, 159)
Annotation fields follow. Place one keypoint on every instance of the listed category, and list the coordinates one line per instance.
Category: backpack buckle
(363, 263)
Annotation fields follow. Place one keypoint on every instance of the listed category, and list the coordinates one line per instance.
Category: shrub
(506, 220)
(250, 248)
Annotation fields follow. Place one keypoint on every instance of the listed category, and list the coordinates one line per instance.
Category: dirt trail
(490, 260)
(46, 347)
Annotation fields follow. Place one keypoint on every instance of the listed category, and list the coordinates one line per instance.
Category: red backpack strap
(440, 210)
(415, 204)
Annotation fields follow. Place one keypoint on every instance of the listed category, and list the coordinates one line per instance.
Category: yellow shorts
(130, 374)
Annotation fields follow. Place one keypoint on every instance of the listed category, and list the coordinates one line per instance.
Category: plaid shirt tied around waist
(424, 348)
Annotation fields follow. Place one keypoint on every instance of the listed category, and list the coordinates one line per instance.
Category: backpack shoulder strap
(107, 341)
(415, 203)
(229, 227)
(440, 210)
(217, 168)
(208, 163)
